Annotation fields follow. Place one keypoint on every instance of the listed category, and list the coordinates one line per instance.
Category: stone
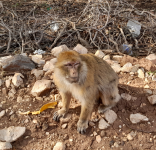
(18, 63)
(38, 59)
(110, 116)
(2, 113)
(66, 119)
(56, 50)
(38, 73)
(154, 92)
(40, 87)
(135, 68)
(127, 67)
(116, 67)
(117, 58)
(5, 145)
(126, 96)
(94, 133)
(64, 126)
(147, 64)
(99, 53)
(11, 134)
(106, 57)
(146, 86)
(59, 146)
(91, 123)
(141, 73)
(131, 135)
(4, 91)
(136, 118)
(3, 59)
(19, 99)
(98, 138)
(103, 133)
(128, 59)
(154, 77)
(50, 65)
(17, 79)
(152, 99)
(148, 91)
(80, 49)
(152, 58)
(1, 82)
(8, 83)
(103, 124)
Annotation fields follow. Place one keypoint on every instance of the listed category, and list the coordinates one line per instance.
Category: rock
(11, 134)
(94, 133)
(136, 118)
(8, 83)
(56, 50)
(148, 91)
(64, 126)
(80, 49)
(116, 144)
(127, 67)
(2, 113)
(152, 99)
(17, 79)
(99, 53)
(38, 73)
(1, 82)
(59, 146)
(116, 67)
(45, 126)
(10, 94)
(18, 63)
(154, 92)
(50, 65)
(126, 96)
(146, 86)
(5, 145)
(103, 133)
(66, 119)
(19, 99)
(103, 124)
(154, 77)
(98, 138)
(4, 91)
(128, 59)
(40, 87)
(117, 58)
(106, 57)
(152, 58)
(91, 123)
(141, 73)
(131, 135)
(135, 68)
(147, 64)
(3, 59)
(38, 59)
(110, 116)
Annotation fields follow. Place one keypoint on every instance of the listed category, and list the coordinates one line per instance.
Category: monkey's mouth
(73, 80)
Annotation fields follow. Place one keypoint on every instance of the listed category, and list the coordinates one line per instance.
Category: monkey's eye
(68, 65)
(76, 64)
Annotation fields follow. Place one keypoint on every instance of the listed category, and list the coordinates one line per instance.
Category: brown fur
(95, 79)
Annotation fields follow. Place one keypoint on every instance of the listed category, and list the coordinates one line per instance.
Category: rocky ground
(129, 125)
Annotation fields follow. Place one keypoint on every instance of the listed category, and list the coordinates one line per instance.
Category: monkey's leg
(82, 124)
(66, 97)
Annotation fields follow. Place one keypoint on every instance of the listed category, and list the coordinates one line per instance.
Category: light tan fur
(96, 80)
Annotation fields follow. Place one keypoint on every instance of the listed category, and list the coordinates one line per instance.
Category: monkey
(87, 78)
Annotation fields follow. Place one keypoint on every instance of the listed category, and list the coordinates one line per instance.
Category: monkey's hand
(58, 114)
(82, 126)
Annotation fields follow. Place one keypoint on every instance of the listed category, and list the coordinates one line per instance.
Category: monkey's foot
(58, 114)
(103, 108)
(82, 126)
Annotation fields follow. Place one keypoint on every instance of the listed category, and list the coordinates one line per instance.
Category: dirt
(46, 133)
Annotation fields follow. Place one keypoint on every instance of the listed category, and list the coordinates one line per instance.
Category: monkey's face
(72, 71)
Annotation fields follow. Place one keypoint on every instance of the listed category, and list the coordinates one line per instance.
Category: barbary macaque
(86, 78)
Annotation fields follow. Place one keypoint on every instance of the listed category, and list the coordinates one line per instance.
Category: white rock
(131, 135)
(17, 79)
(99, 53)
(116, 67)
(80, 49)
(127, 67)
(148, 91)
(106, 57)
(126, 96)
(8, 83)
(117, 58)
(11, 134)
(98, 138)
(146, 86)
(152, 99)
(59, 146)
(141, 73)
(136, 118)
(154, 92)
(110, 116)
(64, 126)
(40, 86)
(134, 68)
(38, 73)
(38, 59)
(103, 124)
(50, 64)
(56, 50)
(19, 99)
(1, 82)
(154, 77)
(2, 59)
(151, 57)
(2, 113)
(5, 145)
